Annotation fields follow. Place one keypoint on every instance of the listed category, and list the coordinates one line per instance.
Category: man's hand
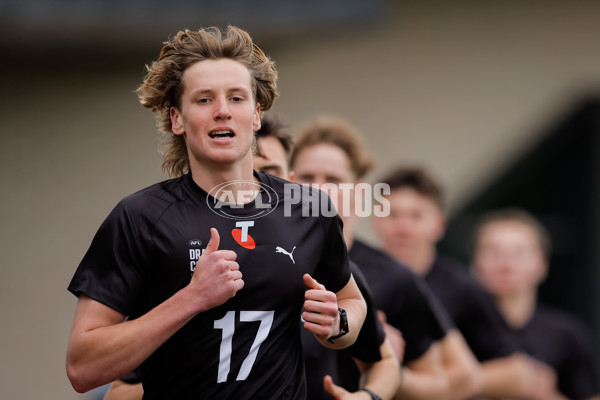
(535, 379)
(394, 336)
(320, 314)
(217, 276)
(339, 393)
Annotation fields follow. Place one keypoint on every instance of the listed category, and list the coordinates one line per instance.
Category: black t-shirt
(249, 347)
(321, 361)
(564, 343)
(471, 308)
(404, 297)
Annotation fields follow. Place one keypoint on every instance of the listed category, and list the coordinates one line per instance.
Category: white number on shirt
(227, 325)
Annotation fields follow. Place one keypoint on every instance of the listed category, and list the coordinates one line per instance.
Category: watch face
(343, 325)
(343, 321)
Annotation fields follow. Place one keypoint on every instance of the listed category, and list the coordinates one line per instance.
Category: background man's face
(272, 158)
(326, 163)
(415, 222)
(508, 258)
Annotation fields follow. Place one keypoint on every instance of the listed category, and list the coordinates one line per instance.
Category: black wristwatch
(343, 325)
(373, 395)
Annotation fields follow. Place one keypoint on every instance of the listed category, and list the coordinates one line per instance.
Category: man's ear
(442, 224)
(256, 122)
(176, 123)
(542, 272)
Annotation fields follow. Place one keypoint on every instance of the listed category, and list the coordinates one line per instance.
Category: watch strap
(371, 393)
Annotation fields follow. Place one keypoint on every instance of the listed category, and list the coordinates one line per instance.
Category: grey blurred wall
(461, 86)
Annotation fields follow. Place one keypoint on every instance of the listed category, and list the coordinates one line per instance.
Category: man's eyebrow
(201, 91)
(271, 166)
(238, 89)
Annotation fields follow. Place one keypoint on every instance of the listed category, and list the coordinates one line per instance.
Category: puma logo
(279, 249)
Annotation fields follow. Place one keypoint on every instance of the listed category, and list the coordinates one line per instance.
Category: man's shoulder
(548, 318)
(297, 198)
(153, 198)
(454, 272)
(367, 256)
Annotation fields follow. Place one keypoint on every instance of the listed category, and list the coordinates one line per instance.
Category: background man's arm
(424, 378)
(461, 367)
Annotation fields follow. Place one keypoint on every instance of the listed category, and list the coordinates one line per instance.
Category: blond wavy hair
(338, 132)
(163, 85)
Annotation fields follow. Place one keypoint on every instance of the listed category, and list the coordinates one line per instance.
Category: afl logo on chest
(195, 252)
(232, 199)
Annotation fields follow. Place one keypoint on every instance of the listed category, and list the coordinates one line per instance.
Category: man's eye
(203, 100)
(305, 178)
(236, 98)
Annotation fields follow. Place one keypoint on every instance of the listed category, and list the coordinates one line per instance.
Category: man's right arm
(461, 367)
(103, 348)
(424, 378)
(121, 390)
(519, 376)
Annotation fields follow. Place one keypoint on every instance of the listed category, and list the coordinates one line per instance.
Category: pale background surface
(462, 87)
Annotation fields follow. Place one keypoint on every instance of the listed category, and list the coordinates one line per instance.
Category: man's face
(415, 223)
(218, 114)
(508, 258)
(272, 158)
(325, 163)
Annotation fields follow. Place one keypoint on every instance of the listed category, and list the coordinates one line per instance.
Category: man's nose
(222, 110)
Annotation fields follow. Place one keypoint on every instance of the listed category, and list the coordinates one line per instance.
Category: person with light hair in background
(172, 286)
(437, 364)
(335, 374)
(510, 256)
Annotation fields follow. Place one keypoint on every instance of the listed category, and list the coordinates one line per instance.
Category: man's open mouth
(221, 134)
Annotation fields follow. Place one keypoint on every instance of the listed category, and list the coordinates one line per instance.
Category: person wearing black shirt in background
(410, 233)
(328, 151)
(510, 259)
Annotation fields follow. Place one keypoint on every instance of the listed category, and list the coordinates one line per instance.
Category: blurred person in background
(510, 258)
(326, 375)
(436, 364)
(410, 233)
(161, 285)
(369, 369)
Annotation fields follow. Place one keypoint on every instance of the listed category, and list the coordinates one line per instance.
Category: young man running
(212, 308)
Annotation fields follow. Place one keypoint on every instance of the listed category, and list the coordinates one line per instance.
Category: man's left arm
(322, 315)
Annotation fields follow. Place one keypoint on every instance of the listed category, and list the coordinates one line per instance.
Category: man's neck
(208, 176)
(517, 309)
(349, 238)
(420, 261)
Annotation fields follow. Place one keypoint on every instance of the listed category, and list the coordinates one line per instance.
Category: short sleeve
(423, 320)
(333, 269)
(578, 378)
(133, 377)
(371, 336)
(481, 325)
(110, 271)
